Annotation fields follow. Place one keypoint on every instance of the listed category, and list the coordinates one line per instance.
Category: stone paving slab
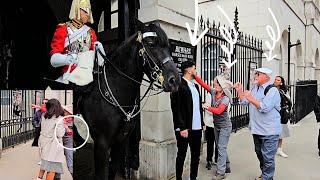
(21, 163)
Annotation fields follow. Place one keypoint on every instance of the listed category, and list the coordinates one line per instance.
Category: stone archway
(283, 64)
(299, 63)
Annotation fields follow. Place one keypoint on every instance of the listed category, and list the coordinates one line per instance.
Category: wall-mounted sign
(253, 66)
(181, 52)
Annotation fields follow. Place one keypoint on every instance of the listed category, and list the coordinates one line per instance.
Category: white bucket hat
(68, 108)
(225, 84)
(264, 70)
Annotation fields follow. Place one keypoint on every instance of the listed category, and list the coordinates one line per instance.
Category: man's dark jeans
(266, 148)
(194, 141)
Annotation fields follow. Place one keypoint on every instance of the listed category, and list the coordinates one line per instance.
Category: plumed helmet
(80, 4)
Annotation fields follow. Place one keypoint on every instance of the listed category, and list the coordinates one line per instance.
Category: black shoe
(219, 176)
(209, 165)
(228, 170)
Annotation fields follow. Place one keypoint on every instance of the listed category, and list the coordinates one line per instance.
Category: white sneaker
(259, 177)
(281, 153)
(39, 163)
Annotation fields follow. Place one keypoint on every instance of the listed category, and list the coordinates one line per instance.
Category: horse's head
(158, 62)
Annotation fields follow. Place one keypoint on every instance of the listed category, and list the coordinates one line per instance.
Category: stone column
(158, 144)
(309, 72)
(300, 71)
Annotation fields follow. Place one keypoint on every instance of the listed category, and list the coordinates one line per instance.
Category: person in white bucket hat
(221, 100)
(264, 107)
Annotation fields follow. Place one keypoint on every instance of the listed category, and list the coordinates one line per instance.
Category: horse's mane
(124, 45)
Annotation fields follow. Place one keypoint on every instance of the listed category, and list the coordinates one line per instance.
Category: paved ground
(302, 163)
(21, 163)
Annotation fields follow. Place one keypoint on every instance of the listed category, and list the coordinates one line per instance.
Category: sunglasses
(258, 73)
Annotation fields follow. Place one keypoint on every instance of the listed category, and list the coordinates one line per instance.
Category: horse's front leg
(101, 156)
(115, 155)
(117, 149)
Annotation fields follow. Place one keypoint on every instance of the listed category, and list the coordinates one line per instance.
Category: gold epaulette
(75, 23)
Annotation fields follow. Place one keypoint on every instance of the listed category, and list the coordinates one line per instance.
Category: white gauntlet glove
(59, 59)
(99, 46)
(318, 124)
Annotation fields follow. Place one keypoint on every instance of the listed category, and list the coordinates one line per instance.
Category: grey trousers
(222, 136)
(68, 142)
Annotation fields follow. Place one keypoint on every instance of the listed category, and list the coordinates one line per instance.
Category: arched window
(211, 55)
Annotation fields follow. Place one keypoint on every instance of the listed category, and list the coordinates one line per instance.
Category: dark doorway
(25, 35)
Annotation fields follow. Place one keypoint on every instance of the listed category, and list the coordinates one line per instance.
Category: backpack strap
(268, 88)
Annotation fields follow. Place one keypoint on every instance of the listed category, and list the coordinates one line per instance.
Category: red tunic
(57, 43)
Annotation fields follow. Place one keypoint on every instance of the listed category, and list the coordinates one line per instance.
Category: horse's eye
(151, 44)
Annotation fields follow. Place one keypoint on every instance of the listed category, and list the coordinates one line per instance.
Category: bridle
(155, 76)
(144, 52)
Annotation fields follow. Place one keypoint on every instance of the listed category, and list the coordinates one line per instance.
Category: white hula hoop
(74, 116)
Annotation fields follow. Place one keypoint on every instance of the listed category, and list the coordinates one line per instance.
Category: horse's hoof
(127, 174)
(135, 174)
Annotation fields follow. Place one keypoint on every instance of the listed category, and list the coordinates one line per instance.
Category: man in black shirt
(187, 119)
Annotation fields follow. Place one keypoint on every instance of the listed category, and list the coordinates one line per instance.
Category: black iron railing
(303, 95)
(16, 115)
(16, 131)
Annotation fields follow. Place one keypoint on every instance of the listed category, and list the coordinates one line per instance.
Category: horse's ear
(156, 23)
(139, 25)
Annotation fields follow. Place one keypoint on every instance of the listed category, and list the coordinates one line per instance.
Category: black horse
(115, 94)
